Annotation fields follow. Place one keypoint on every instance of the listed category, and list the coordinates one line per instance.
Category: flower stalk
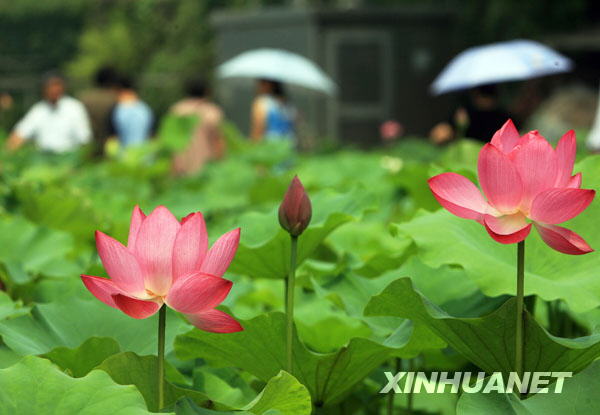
(294, 214)
(410, 396)
(520, 318)
(289, 312)
(160, 373)
(396, 363)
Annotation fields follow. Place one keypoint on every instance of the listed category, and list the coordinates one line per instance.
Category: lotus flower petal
(536, 163)
(507, 224)
(102, 288)
(574, 182)
(559, 205)
(188, 217)
(214, 321)
(563, 240)
(221, 254)
(190, 246)
(197, 292)
(136, 308)
(137, 217)
(458, 195)
(512, 238)
(154, 249)
(120, 264)
(499, 179)
(506, 138)
(565, 154)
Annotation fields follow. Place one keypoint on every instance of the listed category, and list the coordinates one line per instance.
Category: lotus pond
(386, 281)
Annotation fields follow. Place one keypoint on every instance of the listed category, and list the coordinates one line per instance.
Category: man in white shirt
(57, 124)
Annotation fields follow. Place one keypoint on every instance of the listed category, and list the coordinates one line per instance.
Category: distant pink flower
(525, 182)
(390, 130)
(167, 261)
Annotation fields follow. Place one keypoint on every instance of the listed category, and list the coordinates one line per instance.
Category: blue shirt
(132, 122)
(280, 119)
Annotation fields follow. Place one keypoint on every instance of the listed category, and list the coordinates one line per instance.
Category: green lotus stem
(390, 404)
(289, 305)
(410, 396)
(160, 373)
(390, 401)
(520, 317)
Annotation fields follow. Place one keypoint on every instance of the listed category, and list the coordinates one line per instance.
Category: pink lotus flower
(167, 262)
(525, 182)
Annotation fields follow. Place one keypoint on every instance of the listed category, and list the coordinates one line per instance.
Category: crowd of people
(112, 110)
(59, 122)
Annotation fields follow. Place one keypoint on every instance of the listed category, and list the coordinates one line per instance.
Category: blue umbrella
(505, 61)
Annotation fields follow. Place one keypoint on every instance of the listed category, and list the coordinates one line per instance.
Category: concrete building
(383, 61)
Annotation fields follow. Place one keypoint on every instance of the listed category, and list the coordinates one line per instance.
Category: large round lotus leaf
(36, 386)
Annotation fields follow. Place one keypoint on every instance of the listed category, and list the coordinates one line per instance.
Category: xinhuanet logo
(441, 382)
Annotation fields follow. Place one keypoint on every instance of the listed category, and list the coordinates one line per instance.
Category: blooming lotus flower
(167, 262)
(525, 182)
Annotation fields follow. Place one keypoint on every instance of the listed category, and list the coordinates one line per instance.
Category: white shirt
(57, 128)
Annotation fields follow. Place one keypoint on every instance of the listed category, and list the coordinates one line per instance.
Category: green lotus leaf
(579, 395)
(260, 350)
(70, 323)
(35, 386)
(130, 369)
(79, 361)
(283, 393)
(8, 308)
(29, 250)
(489, 341)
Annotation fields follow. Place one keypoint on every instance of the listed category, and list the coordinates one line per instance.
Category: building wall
(383, 61)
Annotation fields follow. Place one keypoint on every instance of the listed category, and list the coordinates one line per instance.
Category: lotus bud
(295, 211)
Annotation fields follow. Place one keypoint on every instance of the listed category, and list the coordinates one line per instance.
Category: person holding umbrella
(479, 118)
(479, 69)
(273, 117)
